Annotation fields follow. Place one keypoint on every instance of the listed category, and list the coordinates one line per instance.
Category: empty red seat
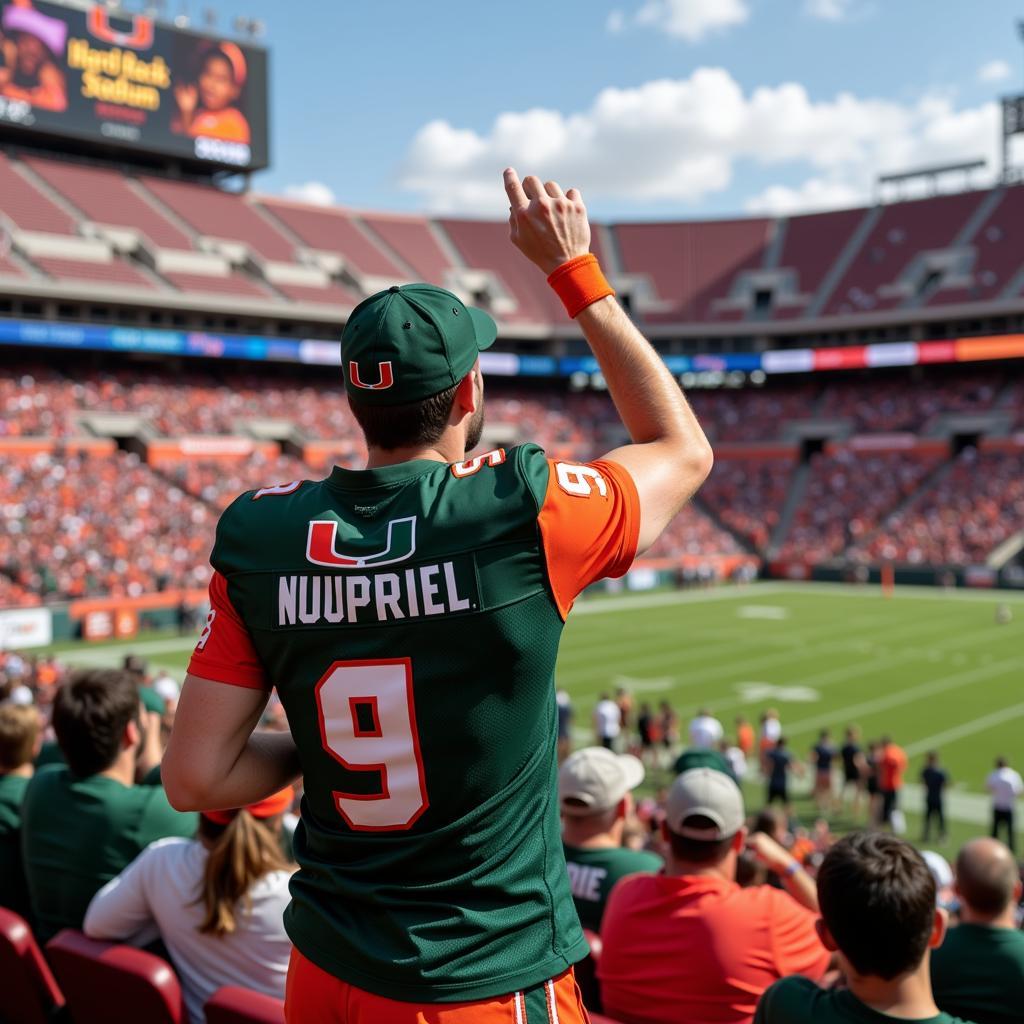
(597, 1018)
(107, 983)
(30, 993)
(232, 1005)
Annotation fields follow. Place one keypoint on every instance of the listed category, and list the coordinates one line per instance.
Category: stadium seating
(30, 994)
(690, 264)
(198, 240)
(106, 197)
(887, 270)
(231, 1005)
(106, 983)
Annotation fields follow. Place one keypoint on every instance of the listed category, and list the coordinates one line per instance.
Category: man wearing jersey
(409, 615)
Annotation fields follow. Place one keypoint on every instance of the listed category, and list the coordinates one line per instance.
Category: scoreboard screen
(126, 81)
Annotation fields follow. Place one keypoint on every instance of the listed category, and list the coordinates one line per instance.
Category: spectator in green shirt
(594, 789)
(878, 915)
(978, 972)
(84, 822)
(19, 743)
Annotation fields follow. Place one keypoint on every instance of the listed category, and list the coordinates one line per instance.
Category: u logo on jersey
(323, 535)
(385, 376)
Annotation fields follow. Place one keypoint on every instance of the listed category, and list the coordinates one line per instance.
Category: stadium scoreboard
(125, 81)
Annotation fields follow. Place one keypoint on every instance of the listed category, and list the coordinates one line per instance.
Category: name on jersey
(356, 599)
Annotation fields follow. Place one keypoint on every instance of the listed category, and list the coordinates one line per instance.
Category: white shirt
(160, 887)
(705, 732)
(737, 761)
(1005, 785)
(771, 729)
(607, 719)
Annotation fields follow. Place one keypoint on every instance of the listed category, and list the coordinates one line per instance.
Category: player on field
(409, 615)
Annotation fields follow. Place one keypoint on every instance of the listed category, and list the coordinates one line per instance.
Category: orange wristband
(579, 283)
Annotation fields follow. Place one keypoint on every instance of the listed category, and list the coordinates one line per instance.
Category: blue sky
(655, 108)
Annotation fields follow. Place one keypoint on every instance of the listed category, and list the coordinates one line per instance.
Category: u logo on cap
(385, 378)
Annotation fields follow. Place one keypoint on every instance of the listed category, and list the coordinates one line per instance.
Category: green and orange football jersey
(410, 617)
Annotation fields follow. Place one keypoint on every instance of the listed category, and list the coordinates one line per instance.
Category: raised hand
(187, 97)
(548, 226)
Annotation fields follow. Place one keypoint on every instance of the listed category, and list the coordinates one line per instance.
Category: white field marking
(639, 685)
(753, 693)
(881, 661)
(762, 611)
(893, 700)
(958, 732)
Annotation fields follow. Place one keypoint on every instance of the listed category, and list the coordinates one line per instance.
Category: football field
(931, 668)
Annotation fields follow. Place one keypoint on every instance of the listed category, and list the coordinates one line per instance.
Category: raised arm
(669, 457)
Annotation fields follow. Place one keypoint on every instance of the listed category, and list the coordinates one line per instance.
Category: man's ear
(467, 398)
(132, 735)
(739, 841)
(624, 808)
(939, 925)
(825, 935)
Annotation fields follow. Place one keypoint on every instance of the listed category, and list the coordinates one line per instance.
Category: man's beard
(475, 429)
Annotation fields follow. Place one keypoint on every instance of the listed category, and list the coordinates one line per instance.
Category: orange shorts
(315, 997)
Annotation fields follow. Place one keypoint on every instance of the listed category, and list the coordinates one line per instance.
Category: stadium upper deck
(134, 239)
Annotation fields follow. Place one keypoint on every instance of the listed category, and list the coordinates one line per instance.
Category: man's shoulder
(793, 1000)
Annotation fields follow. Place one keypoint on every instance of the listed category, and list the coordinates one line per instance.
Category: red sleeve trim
(225, 652)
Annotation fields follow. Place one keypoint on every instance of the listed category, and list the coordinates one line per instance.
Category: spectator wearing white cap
(594, 790)
(690, 944)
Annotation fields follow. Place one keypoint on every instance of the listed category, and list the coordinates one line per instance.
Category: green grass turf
(931, 668)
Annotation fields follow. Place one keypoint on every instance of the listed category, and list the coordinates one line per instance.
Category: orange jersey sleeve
(589, 525)
(225, 652)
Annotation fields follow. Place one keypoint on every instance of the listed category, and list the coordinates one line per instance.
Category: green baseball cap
(409, 342)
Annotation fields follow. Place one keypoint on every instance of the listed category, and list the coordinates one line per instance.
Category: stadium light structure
(930, 175)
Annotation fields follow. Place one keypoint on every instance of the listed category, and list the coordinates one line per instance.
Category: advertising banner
(25, 627)
(125, 80)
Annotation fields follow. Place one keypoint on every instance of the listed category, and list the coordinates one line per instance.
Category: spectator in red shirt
(691, 945)
(891, 766)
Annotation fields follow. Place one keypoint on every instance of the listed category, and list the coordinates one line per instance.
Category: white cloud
(814, 194)
(829, 10)
(691, 20)
(315, 192)
(994, 71)
(680, 141)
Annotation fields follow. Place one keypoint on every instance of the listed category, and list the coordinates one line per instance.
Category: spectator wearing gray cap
(978, 971)
(594, 789)
(690, 944)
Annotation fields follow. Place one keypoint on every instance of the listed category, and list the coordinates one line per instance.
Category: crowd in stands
(75, 526)
(847, 495)
(890, 405)
(697, 907)
(959, 521)
(70, 520)
(747, 495)
(37, 400)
